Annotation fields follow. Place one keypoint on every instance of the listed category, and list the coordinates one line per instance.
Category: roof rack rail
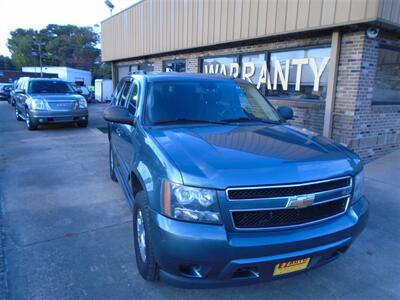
(142, 72)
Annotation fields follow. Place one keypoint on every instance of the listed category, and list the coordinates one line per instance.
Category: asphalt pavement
(68, 229)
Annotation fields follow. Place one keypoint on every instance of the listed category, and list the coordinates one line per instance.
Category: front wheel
(29, 123)
(143, 243)
(17, 115)
(112, 164)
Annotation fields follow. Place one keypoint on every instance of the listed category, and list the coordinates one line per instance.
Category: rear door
(128, 134)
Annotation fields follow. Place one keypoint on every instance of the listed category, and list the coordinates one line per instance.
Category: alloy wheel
(141, 235)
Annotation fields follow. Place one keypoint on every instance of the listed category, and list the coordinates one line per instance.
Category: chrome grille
(329, 198)
(63, 105)
(287, 190)
(288, 217)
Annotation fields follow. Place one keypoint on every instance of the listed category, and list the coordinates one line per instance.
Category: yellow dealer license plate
(291, 266)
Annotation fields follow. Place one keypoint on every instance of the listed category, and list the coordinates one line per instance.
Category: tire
(83, 124)
(30, 124)
(12, 102)
(145, 259)
(17, 115)
(112, 164)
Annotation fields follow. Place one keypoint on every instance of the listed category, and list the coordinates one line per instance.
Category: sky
(38, 13)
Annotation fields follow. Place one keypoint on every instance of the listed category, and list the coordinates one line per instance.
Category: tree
(6, 63)
(63, 45)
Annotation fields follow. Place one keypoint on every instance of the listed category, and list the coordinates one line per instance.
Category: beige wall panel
(291, 15)
(271, 16)
(280, 23)
(342, 11)
(262, 17)
(314, 15)
(302, 14)
(253, 22)
(211, 22)
(372, 9)
(157, 26)
(217, 22)
(237, 19)
(328, 12)
(223, 22)
(231, 20)
(358, 9)
(245, 19)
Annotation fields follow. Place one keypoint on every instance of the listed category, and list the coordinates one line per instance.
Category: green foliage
(6, 63)
(63, 45)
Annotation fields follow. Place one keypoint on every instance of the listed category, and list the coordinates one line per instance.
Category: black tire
(30, 124)
(147, 267)
(111, 161)
(17, 114)
(83, 124)
(12, 102)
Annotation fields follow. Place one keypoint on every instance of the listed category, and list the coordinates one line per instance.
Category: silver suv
(42, 101)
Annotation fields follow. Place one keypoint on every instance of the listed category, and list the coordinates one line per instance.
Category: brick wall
(371, 130)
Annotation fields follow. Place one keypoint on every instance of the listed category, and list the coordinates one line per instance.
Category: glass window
(125, 92)
(50, 87)
(133, 98)
(299, 74)
(387, 77)
(175, 66)
(226, 65)
(251, 65)
(216, 100)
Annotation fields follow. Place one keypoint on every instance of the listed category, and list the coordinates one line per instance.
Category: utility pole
(39, 45)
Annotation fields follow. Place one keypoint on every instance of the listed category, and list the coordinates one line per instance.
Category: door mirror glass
(285, 112)
(118, 114)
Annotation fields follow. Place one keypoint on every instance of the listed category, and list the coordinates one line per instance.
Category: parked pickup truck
(223, 191)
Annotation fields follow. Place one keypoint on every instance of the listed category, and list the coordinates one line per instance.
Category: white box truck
(103, 90)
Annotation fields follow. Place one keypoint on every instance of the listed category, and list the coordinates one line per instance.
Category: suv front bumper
(202, 256)
(45, 117)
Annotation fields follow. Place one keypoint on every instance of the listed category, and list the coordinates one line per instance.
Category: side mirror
(285, 112)
(118, 114)
(20, 91)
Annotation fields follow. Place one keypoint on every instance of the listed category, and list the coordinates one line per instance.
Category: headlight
(190, 204)
(358, 187)
(82, 103)
(39, 104)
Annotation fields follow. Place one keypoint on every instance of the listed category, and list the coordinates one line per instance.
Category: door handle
(119, 131)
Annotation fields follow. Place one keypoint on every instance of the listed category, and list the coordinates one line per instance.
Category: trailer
(103, 89)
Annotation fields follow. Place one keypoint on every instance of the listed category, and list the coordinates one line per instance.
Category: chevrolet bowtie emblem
(301, 201)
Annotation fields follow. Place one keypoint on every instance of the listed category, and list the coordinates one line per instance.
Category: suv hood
(226, 156)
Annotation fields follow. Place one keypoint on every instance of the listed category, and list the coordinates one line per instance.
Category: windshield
(213, 101)
(50, 87)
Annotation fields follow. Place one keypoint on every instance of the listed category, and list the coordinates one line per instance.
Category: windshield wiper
(187, 121)
(246, 119)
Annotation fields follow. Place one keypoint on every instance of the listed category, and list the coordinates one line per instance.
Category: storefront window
(299, 74)
(226, 65)
(387, 77)
(178, 65)
(251, 65)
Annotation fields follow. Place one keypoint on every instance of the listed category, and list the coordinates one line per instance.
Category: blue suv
(223, 191)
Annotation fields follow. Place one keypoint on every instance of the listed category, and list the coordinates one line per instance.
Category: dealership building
(335, 62)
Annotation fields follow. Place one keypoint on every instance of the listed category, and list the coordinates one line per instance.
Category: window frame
(165, 62)
(384, 103)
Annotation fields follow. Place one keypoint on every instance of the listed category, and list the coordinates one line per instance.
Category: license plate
(291, 266)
